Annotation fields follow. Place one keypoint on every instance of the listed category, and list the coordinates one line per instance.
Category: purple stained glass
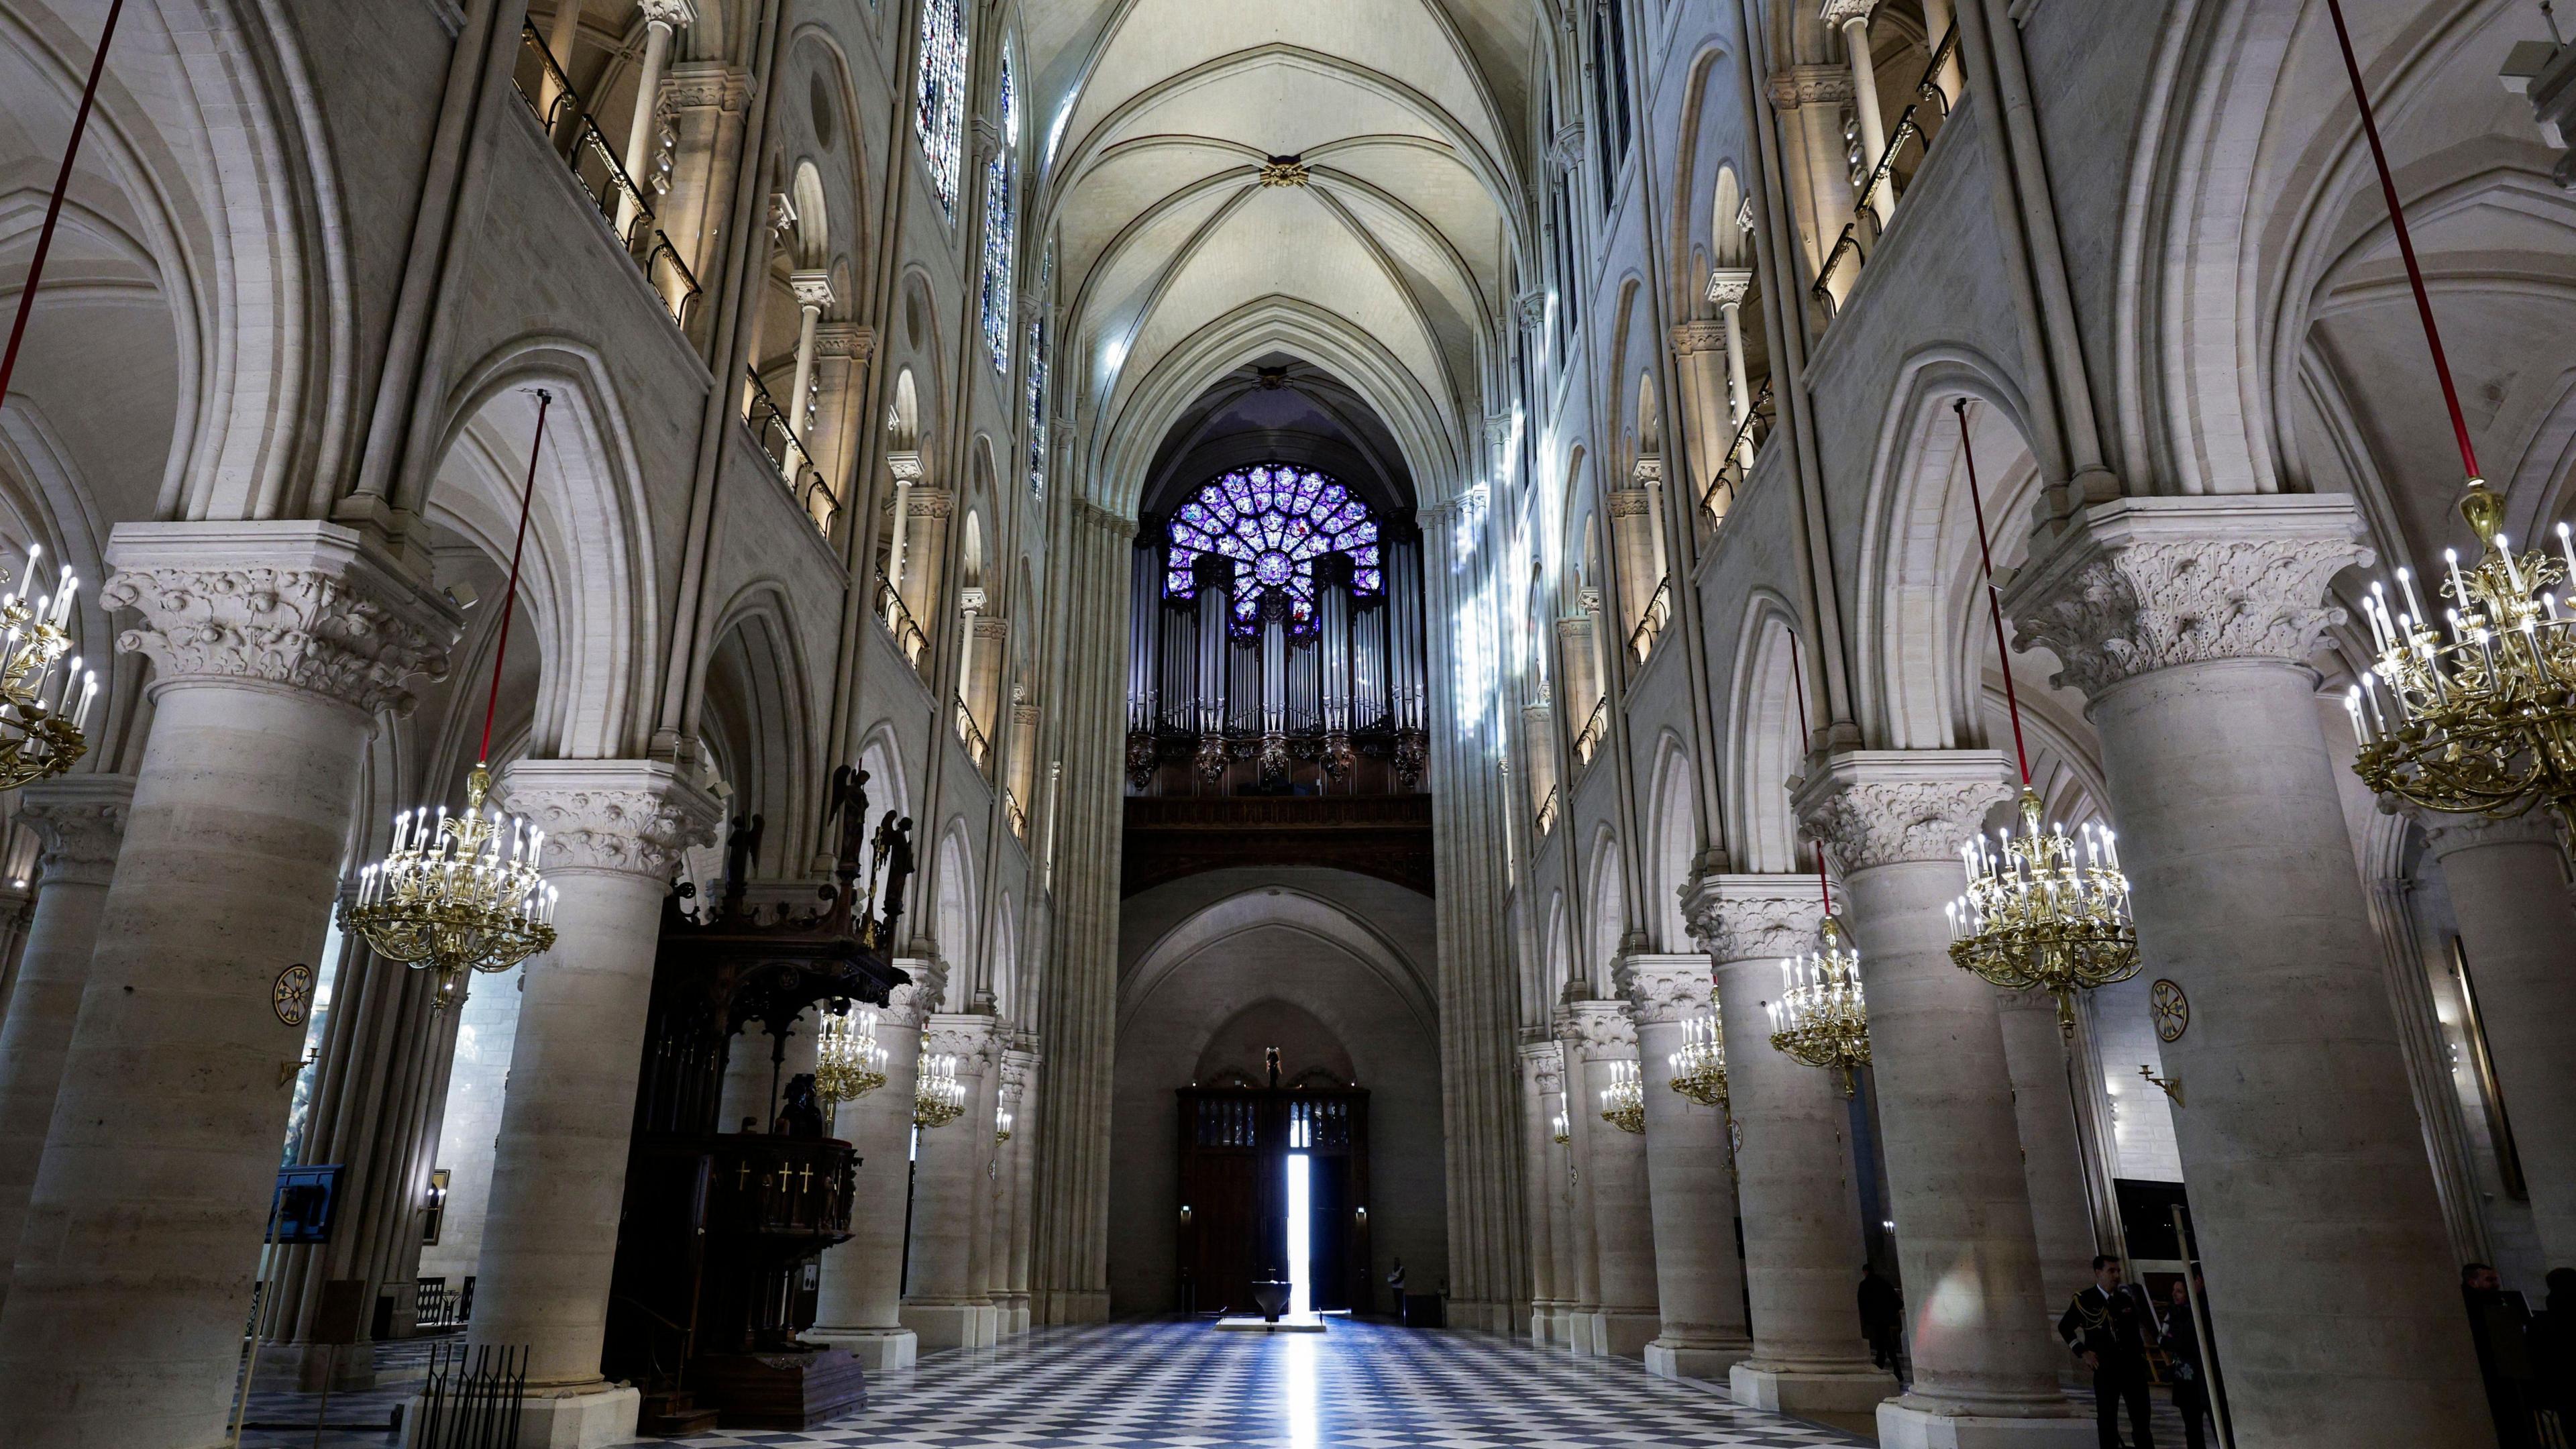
(1274, 520)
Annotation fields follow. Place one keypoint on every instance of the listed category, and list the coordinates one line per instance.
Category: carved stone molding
(1696, 337)
(812, 289)
(2142, 584)
(911, 1004)
(1665, 988)
(1601, 1030)
(905, 466)
(678, 14)
(2450, 834)
(1890, 807)
(701, 84)
(974, 1039)
(1545, 1063)
(81, 821)
(1838, 13)
(928, 502)
(1753, 917)
(1647, 473)
(1728, 286)
(1630, 502)
(303, 605)
(1018, 1067)
(627, 817)
(1811, 85)
(1566, 151)
(1533, 309)
(846, 339)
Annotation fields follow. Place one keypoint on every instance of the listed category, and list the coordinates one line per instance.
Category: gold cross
(741, 1177)
(805, 1179)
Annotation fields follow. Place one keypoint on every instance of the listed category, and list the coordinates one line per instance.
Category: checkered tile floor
(1363, 1385)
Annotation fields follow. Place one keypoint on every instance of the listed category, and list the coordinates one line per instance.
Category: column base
(1072, 1306)
(1810, 1391)
(1542, 1325)
(1711, 1362)
(950, 1325)
(877, 1349)
(1580, 1332)
(1015, 1319)
(1624, 1333)
(585, 1418)
(1901, 1426)
(988, 1325)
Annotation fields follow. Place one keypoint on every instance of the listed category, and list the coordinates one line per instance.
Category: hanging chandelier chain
(510, 595)
(2406, 246)
(1994, 595)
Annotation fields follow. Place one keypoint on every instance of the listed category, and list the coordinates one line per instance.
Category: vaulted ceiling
(1386, 261)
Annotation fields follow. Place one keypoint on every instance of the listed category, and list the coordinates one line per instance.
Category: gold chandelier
(1560, 1129)
(41, 718)
(1002, 1120)
(1699, 1068)
(462, 893)
(938, 1098)
(2032, 918)
(1820, 1018)
(1623, 1102)
(2480, 717)
(848, 1061)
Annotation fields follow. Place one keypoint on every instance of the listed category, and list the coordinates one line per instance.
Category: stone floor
(1167, 1385)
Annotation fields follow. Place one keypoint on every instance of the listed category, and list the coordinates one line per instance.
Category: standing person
(2109, 1326)
(2497, 1320)
(1395, 1281)
(1882, 1319)
(2553, 1351)
(2181, 1343)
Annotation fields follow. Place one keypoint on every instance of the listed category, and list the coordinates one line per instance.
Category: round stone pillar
(1985, 1357)
(2186, 621)
(1803, 1248)
(614, 833)
(942, 1302)
(2508, 883)
(1011, 1212)
(1699, 1280)
(1542, 1097)
(1581, 1254)
(859, 1305)
(81, 821)
(1623, 1228)
(274, 648)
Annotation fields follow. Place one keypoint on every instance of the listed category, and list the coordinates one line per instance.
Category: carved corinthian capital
(81, 821)
(2141, 584)
(911, 1004)
(304, 605)
(1753, 917)
(1667, 988)
(1601, 1030)
(1890, 807)
(1545, 1063)
(971, 1037)
(629, 817)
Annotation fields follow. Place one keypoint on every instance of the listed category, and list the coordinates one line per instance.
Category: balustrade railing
(1851, 248)
(898, 622)
(972, 735)
(1595, 730)
(584, 148)
(796, 469)
(1547, 813)
(1736, 463)
(1659, 612)
(1018, 817)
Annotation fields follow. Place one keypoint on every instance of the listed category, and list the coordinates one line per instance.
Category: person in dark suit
(2553, 1350)
(1882, 1320)
(2108, 1327)
(2181, 1343)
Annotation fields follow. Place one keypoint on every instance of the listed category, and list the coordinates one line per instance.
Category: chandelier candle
(1699, 1068)
(940, 1098)
(1820, 1018)
(40, 736)
(1623, 1102)
(848, 1061)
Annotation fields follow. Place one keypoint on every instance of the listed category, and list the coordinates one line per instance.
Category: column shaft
(860, 1302)
(1623, 1229)
(639, 131)
(942, 1296)
(1699, 1280)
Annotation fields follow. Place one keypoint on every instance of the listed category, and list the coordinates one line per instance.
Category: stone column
(1582, 1244)
(1623, 1228)
(1019, 1163)
(983, 1105)
(860, 1303)
(661, 18)
(1564, 1228)
(1809, 99)
(941, 1299)
(2508, 881)
(2052, 1157)
(1542, 1097)
(274, 648)
(1699, 1280)
(1851, 17)
(1803, 1248)
(1985, 1357)
(2187, 621)
(81, 821)
(614, 833)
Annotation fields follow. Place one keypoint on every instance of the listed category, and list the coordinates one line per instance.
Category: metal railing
(796, 469)
(1850, 243)
(977, 748)
(1595, 730)
(1018, 817)
(1929, 88)
(1736, 463)
(1546, 818)
(474, 1397)
(1659, 612)
(577, 139)
(898, 622)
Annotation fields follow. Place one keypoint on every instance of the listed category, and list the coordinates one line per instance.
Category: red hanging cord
(54, 207)
(527, 501)
(1994, 596)
(2406, 247)
(1798, 677)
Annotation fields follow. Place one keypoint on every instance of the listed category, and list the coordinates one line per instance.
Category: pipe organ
(1277, 644)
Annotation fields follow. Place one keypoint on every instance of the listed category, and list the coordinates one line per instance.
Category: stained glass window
(1037, 374)
(939, 110)
(1274, 520)
(1000, 226)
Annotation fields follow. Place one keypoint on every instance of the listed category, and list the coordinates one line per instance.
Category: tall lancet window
(1274, 521)
(939, 104)
(1000, 227)
(1037, 375)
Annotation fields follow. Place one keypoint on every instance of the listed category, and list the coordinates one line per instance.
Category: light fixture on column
(1820, 1018)
(848, 1061)
(1623, 1102)
(1002, 1120)
(1560, 1129)
(2033, 918)
(938, 1098)
(41, 716)
(1699, 1068)
(2479, 716)
(462, 892)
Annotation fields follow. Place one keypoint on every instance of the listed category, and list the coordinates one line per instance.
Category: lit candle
(89, 691)
(2352, 705)
(2512, 573)
(2567, 547)
(2374, 607)
(2406, 581)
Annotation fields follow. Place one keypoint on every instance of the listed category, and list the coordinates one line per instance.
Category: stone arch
(1765, 745)
(953, 914)
(1560, 950)
(757, 719)
(1004, 969)
(1306, 913)
(813, 248)
(881, 755)
(1606, 908)
(1675, 836)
